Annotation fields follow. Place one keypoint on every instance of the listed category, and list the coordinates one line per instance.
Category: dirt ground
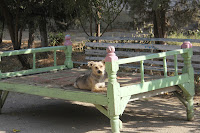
(25, 113)
(34, 114)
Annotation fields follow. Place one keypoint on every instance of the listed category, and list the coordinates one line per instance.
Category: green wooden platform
(57, 81)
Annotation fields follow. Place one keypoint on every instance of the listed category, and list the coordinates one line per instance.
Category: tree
(13, 13)
(2, 24)
(96, 12)
(165, 15)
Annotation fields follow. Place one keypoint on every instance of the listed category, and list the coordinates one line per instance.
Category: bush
(56, 39)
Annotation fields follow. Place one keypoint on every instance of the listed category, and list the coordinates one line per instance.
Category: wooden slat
(165, 66)
(137, 67)
(133, 54)
(142, 71)
(154, 68)
(146, 67)
(130, 66)
(118, 53)
(31, 71)
(89, 97)
(153, 85)
(147, 62)
(33, 50)
(145, 39)
(176, 64)
(154, 93)
(138, 46)
(153, 56)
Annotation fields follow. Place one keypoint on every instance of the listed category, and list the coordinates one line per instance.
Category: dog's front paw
(75, 85)
(103, 89)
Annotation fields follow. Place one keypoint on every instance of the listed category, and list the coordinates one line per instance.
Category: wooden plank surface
(59, 84)
(195, 58)
(66, 78)
(66, 94)
(145, 39)
(138, 46)
(32, 50)
(147, 62)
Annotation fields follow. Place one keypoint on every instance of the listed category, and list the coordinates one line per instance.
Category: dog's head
(98, 68)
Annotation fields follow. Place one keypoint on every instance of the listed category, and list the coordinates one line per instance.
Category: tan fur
(95, 81)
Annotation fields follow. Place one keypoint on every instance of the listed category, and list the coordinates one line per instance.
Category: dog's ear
(90, 63)
(103, 61)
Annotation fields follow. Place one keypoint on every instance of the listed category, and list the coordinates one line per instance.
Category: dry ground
(34, 114)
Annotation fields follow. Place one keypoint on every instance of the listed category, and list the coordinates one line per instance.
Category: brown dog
(95, 81)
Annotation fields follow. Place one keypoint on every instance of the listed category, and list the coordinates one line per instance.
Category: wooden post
(113, 89)
(165, 66)
(175, 64)
(55, 58)
(34, 62)
(142, 71)
(188, 88)
(68, 52)
(0, 70)
(0, 91)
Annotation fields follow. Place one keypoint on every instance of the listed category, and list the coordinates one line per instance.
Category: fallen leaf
(15, 130)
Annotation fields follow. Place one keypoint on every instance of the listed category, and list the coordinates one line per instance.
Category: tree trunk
(159, 22)
(1, 31)
(43, 32)
(13, 27)
(98, 25)
(23, 58)
(91, 22)
(164, 23)
(8, 19)
(31, 28)
(98, 29)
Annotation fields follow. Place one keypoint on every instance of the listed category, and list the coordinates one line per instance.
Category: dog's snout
(99, 71)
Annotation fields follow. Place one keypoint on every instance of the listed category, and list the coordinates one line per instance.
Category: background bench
(131, 47)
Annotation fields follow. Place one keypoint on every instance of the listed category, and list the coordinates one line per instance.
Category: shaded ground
(35, 114)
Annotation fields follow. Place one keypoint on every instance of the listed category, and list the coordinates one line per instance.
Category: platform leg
(190, 108)
(3, 96)
(115, 124)
(0, 101)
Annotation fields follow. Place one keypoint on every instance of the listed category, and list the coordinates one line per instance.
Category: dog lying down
(95, 81)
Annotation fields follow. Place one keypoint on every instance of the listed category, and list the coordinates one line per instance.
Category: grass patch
(185, 35)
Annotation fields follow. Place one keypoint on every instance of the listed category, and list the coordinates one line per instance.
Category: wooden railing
(162, 55)
(122, 94)
(34, 51)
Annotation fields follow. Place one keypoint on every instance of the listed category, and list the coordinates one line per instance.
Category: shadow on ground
(34, 114)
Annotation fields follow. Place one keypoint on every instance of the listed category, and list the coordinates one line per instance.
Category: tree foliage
(165, 15)
(34, 13)
(96, 12)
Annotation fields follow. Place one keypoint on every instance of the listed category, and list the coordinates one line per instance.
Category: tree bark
(1, 31)
(98, 25)
(8, 19)
(91, 22)
(159, 21)
(98, 29)
(13, 27)
(31, 28)
(43, 31)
